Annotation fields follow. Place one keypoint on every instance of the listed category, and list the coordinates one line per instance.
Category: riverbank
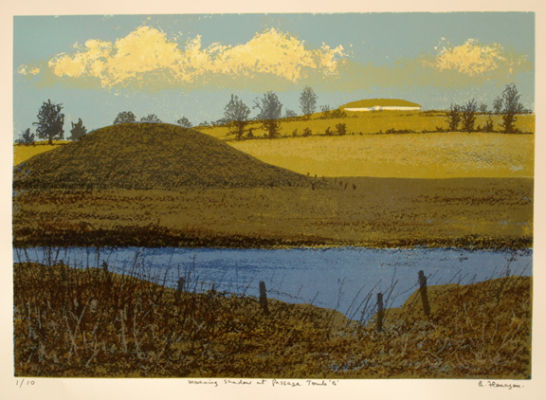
(70, 322)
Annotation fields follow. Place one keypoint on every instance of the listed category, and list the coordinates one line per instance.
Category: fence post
(179, 289)
(263, 297)
(107, 278)
(379, 312)
(423, 290)
(106, 272)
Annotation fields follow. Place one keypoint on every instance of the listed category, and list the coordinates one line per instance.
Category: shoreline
(142, 238)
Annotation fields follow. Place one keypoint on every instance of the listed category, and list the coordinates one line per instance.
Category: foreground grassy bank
(471, 213)
(91, 322)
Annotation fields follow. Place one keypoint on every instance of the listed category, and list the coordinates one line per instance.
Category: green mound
(148, 156)
(380, 102)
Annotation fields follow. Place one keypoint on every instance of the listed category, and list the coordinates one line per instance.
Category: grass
(157, 185)
(162, 185)
(90, 322)
(431, 156)
(372, 212)
(148, 156)
(405, 153)
(372, 123)
(22, 152)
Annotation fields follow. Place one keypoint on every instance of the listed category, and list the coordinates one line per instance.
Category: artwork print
(303, 196)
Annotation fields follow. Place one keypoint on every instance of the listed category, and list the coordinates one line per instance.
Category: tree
(468, 116)
(290, 113)
(26, 137)
(220, 122)
(489, 126)
(78, 130)
(497, 105)
(50, 121)
(454, 117)
(308, 101)
(338, 113)
(150, 118)
(237, 112)
(184, 122)
(483, 108)
(511, 107)
(325, 109)
(270, 110)
(341, 129)
(125, 117)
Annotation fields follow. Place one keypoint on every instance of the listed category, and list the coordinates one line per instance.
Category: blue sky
(188, 65)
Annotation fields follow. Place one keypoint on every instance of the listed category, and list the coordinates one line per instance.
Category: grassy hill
(149, 156)
(379, 102)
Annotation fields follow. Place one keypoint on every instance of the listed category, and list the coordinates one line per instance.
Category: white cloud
(147, 50)
(28, 70)
(473, 58)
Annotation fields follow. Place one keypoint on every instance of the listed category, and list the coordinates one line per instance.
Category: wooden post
(181, 282)
(106, 271)
(179, 289)
(263, 297)
(379, 312)
(423, 290)
(107, 278)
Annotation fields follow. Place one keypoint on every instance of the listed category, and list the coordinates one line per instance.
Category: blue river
(345, 279)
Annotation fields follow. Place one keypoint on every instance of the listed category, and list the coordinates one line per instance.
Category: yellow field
(367, 212)
(24, 152)
(372, 122)
(432, 155)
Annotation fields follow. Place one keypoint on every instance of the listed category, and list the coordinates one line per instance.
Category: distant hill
(380, 102)
(149, 156)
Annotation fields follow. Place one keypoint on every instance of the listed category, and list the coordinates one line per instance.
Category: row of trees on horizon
(463, 117)
(50, 119)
